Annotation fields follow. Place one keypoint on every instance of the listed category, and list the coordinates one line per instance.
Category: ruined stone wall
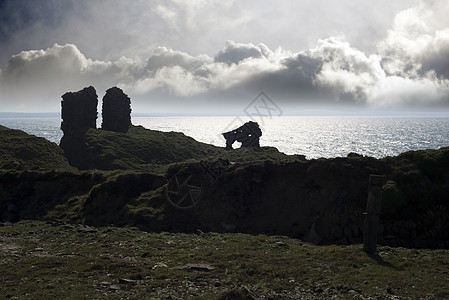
(79, 111)
(116, 111)
(248, 134)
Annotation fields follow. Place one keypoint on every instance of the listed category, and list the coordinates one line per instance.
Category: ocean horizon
(312, 136)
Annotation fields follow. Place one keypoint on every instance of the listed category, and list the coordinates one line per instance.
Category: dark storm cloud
(109, 29)
(16, 16)
(26, 23)
(292, 81)
(409, 68)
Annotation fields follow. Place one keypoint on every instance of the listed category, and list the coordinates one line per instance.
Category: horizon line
(304, 112)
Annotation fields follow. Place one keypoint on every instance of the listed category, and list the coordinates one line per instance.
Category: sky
(214, 57)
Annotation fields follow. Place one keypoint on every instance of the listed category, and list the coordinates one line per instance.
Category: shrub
(393, 199)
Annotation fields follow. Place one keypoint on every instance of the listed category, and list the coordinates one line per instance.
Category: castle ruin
(248, 134)
(116, 111)
(79, 111)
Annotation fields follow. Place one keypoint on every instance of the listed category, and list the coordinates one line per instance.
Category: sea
(312, 136)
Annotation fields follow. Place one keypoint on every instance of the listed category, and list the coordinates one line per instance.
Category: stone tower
(79, 111)
(116, 111)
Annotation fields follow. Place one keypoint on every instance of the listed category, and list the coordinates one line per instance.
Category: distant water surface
(313, 136)
(48, 128)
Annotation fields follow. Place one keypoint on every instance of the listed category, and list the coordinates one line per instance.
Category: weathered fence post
(372, 213)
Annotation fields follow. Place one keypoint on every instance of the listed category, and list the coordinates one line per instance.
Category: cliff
(321, 201)
(170, 182)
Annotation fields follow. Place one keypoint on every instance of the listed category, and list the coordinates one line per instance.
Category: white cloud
(418, 41)
(410, 68)
(233, 53)
(399, 92)
(37, 78)
(173, 80)
(193, 26)
(168, 15)
(33, 66)
(195, 15)
(166, 57)
(346, 70)
(415, 57)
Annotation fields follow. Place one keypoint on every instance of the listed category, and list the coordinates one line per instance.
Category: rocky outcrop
(116, 111)
(248, 134)
(79, 111)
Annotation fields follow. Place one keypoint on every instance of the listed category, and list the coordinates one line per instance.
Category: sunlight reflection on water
(321, 136)
(308, 135)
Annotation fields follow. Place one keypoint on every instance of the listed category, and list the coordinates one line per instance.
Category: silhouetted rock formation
(248, 134)
(116, 111)
(79, 111)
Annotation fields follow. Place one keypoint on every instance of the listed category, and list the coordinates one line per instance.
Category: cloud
(400, 92)
(236, 52)
(173, 73)
(333, 72)
(166, 57)
(418, 42)
(410, 68)
(37, 78)
(58, 67)
(415, 55)
(194, 26)
(348, 73)
(39, 66)
(184, 75)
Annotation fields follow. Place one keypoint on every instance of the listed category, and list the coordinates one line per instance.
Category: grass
(153, 151)
(67, 261)
(140, 150)
(19, 150)
(416, 180)
(58, 260)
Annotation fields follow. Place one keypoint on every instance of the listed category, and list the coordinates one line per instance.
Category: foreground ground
(53, 261)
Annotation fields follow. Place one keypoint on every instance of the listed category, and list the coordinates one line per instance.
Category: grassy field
(20, 151)
(64, 261)
(48, 260)
(152, 151)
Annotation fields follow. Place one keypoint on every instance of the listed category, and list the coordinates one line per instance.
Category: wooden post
(372, 213)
